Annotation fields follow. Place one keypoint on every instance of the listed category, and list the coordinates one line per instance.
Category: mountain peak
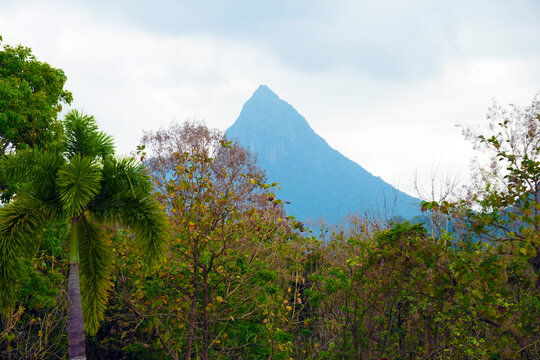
(264, 96)
(265, 111)
(264, 90)
(315, 178)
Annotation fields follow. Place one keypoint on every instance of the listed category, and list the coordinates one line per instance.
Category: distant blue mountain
(316, 179)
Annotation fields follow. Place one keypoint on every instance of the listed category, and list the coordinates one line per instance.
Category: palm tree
(87, 186)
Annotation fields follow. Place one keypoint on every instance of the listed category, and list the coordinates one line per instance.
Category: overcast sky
(384, 82)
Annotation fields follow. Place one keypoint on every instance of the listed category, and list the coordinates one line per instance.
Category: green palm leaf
(21, 224)
(34, 169)
(83, 137)
(125, 175)
(125, 198)
(147, 220)
(96, 264)
(78, 183)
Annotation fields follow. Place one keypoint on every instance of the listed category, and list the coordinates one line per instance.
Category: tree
(503, 213)
(86, 186)
(227, 234)
(31, 96)
(508, 192)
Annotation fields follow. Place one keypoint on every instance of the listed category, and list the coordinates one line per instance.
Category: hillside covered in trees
(184, 251)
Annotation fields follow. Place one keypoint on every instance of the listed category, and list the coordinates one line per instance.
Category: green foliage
(83, 138)
(20, 225)
(220, 294)
(36, 326)
(31, 96)
(73, 186)
(96, 268)
(77, 183)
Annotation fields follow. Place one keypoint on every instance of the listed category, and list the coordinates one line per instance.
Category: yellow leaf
(289, 308)
(219, 299)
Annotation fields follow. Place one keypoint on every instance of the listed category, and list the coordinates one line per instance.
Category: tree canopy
(31, 96)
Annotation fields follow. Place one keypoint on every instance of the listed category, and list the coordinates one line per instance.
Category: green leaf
(21, 223)
(83, 137)
(78, 183)
(96, 266)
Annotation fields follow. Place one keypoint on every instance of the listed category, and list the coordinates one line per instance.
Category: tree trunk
(192, 317)
(355, 342)
(402, 343)
(355, 330)
(191, 323)
(76, 343)
(535, 261)
(205, 324)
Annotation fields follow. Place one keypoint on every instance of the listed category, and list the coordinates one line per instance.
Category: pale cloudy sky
(384, 82)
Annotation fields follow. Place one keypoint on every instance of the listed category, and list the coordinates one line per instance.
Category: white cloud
(384, 83)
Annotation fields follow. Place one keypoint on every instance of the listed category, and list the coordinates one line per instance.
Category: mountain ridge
(317, 179)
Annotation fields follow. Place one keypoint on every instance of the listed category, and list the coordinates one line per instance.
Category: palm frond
(121, 178)
(96, 264)
(35, 170)
(78, 183)
(103, 145)
(21, 225)
(148, 221)
(125, 175)
(126, 198)
(83, 137)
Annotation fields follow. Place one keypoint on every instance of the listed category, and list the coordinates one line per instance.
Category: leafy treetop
(31, 96)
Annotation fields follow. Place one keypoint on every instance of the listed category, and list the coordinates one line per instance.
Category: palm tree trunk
(76, 341)
(76, 344)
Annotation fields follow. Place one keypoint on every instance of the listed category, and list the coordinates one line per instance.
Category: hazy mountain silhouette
(316, 179)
